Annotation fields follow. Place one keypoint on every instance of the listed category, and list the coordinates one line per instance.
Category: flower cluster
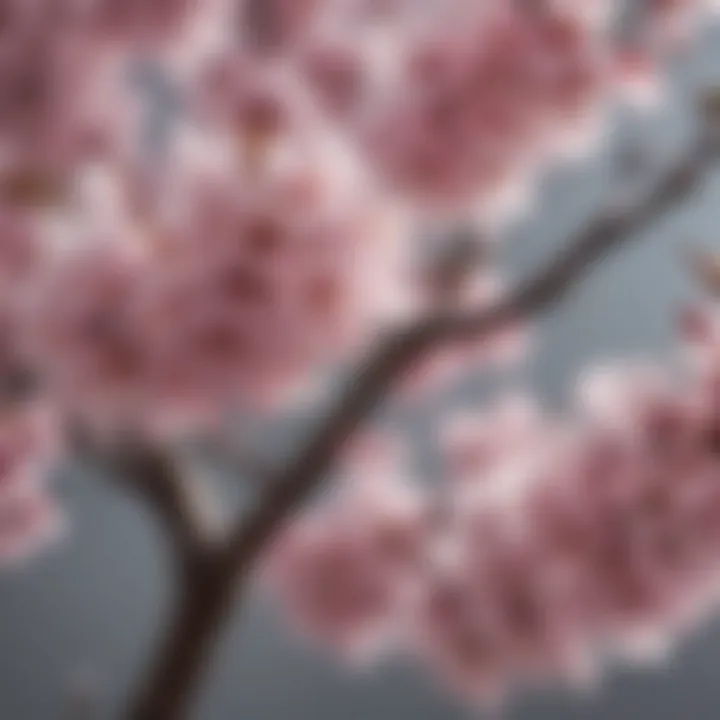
(232, 279)
(482, 105)
(548, 546)
(241, 290)
(55, 110)
(347, 570)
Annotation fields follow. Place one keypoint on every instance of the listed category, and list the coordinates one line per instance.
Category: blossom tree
(321, 198)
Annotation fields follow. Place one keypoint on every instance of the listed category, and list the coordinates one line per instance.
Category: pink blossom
(28, 523)
(479, 107)
(22, 264)
(266, 283)
(22, 257)
(85, 332)
(137, 21)
(638, 76)
(252, 288)
(337, 74)
(49, 77)
(29, 517)
(474, 446)
(345, 576)
(277, 24)
(235, 91)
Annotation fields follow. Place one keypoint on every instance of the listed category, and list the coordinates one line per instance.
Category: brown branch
(171, 494)
(613, 227)
(207, 597)
(241, 460)
(153, 475)
(444, 274)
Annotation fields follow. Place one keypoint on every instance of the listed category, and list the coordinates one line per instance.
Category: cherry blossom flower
(85, 333)
(277, 24)
(50, 82)
(480, 107)
(29, 516)
(346, 576)
(23, 261)
(263, 284)
(249, 98)
(136, 22)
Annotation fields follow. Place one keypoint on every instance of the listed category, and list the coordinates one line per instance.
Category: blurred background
(88, 612)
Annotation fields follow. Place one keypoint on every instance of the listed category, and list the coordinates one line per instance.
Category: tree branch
(207, 597)
(153, 475)
(244, 460)
(303, 474)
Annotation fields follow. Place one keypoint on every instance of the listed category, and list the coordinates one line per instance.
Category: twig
(152, 474)
(242, 460)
